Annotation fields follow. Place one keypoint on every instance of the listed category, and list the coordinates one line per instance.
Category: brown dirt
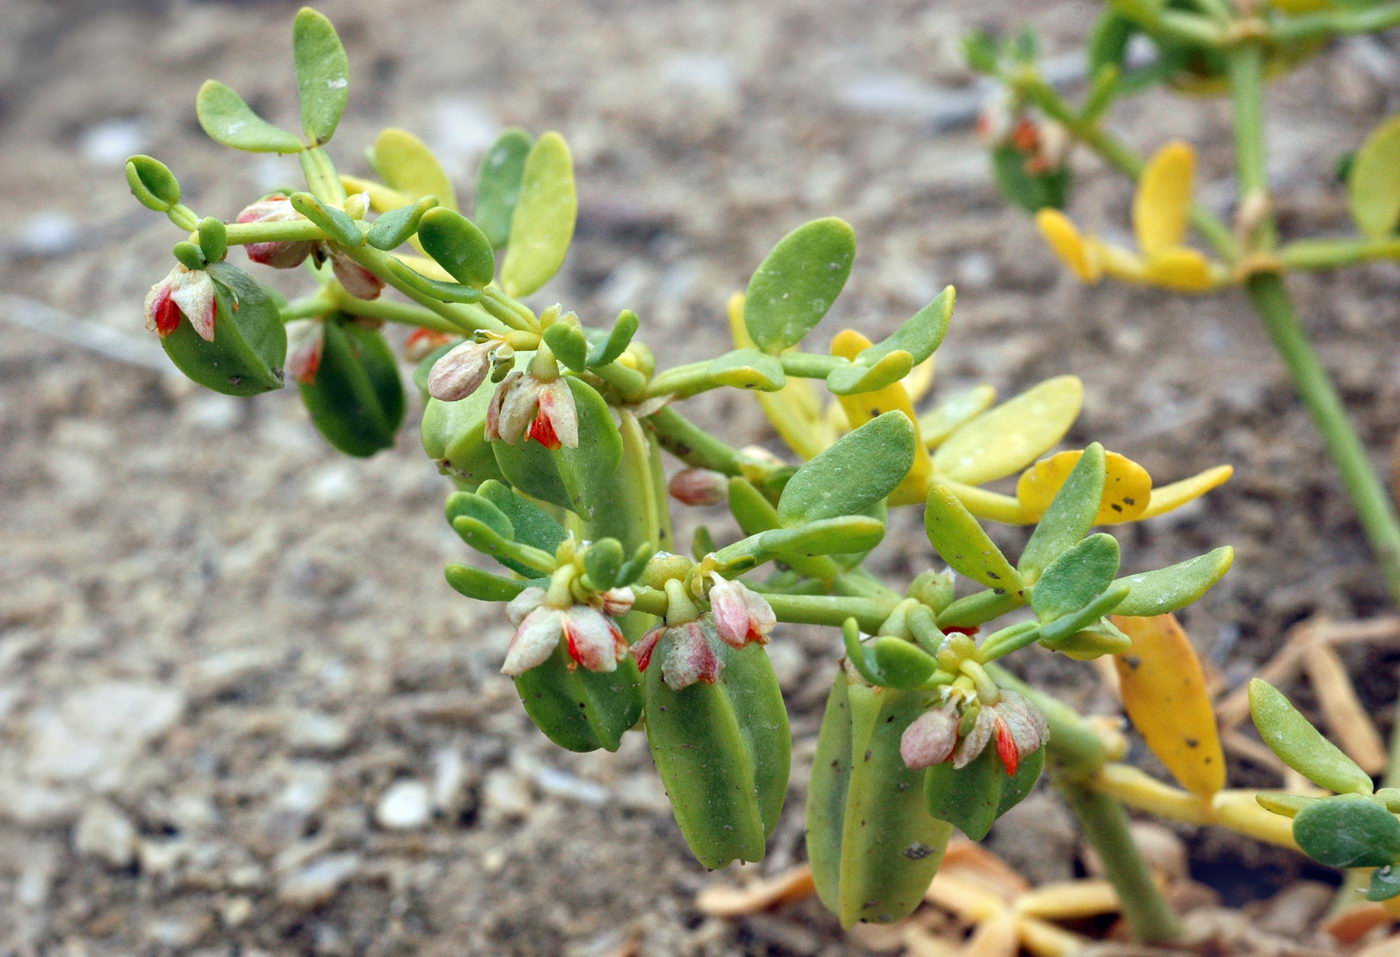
(220, 643)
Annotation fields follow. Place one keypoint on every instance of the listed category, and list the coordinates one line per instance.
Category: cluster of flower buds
(961, 727)
(738, 617)
(277, 208)
(525, 405)
(590, 635)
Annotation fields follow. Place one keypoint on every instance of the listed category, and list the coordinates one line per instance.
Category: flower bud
(460, 372)
(740, 614)
(696, 486)
(279, 255)
(422, 343)
(930, 738)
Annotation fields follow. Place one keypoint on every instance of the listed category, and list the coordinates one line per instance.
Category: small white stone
(405, 806)
(104, 832)
(449, 774)
(505, 794)
(317, 731)
(318, 882)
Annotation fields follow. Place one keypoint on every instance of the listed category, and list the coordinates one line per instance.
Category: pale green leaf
(228, 120)
(542, 225)
(323, 74)
(1012, 435)
(798, 282)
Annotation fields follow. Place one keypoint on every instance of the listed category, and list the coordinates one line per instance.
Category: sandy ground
(222, 646)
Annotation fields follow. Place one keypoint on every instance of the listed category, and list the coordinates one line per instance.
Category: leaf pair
(323, 80)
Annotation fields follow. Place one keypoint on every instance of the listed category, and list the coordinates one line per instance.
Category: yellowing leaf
(939, 422)
(987, 504)
(1012, 435)
(1069, 244)
(861, 407)
(1127, 487)
(918, 382)
(1164, 694)
(1182, 269)
(1374, 185)
(795, 410)
(1163, 199)
(406, 164)
(382, 199)
(1177, 494)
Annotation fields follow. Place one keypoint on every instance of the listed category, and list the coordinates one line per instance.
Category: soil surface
(241, 712)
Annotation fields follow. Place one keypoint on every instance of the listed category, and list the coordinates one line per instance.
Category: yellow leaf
(1182, 269)
(381, 197)
(1127, 487)
(406, 164)
(1177, 494)
(940, 421)
(1069, 244)
(1163, 199)
(988, 505)
(1012, 435)
(1118, 262)
(795, 410)
(918, 382)
(1164, 693)
(861, 407)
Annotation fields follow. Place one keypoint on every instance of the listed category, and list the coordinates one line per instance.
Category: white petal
(305, 342)
(594, 641)
(522, 604)
(557, 403)
(193, 292)
(975, 740)
(534, 640)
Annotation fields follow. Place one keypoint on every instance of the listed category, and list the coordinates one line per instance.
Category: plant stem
(692, 444)
(1334, 22)
(1118, 154)
(1373, 506)
(1105, 824)
(1331, 253)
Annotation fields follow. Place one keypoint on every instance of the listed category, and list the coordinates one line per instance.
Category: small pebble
(406, 806)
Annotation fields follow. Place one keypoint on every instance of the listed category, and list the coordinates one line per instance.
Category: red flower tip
(1006, 748)
(542, 431)
(166, 314)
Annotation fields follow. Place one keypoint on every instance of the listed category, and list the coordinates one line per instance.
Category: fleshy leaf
(392, 229)
(1182, 269)
(961, 542)
(532, 525)
(406, 164)
(950, 414)
(1168, 497)
(152, 183)
(1164, 693)
(748, 369)
(1385, 884)
(1348, 831)
(568, 344)
(855, 378)
(919, 335)
(903, 664)
(1070, 514)
(228, 120)
(617, 340)
(861, 407)
(603, 562)
(1127, 487)
(1069, 245)
(1176, 586)
(1074, 578)
(1373, 188)
(437, 288)
(458, 246)
(829, 536)
(542, 225)
(860, 469)
(481, 585)
(323, 74)
(498, 184)
(798, 282)
(1163, 199)
(1301, 746)
(1012, 435)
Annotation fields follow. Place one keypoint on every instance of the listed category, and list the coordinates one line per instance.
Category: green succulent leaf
(436, 288)
(1301, 746)
(1283, 803)
(973, 797)
(392, 229)
(1070, 515)
(228, 120)
(798, 282)
(920, 335)
(357, 399)
(903, 664)
(1068, 627)
(1176, 586)
(603, 562)
(481, 585)
(748, 369)
(855, 472)
(152, 183)
(542, 224)
(828, 536)
(250, 342)
(961, 542)
(335, 223)
(458, 246)
(568, 344)
(1373, 188)
(1079, 575)
(855, 377)
(617, 341)
(323, 74)
(1385, 884)
(483, 510)
(1348, 831)
(213, 239)
(498, 184)
(532, 525)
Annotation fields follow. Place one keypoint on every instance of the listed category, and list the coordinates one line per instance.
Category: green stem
(1336, 22)
(463, 316)
(1119, 155)
(321, 177)
(400, 312)
(1187, 27)
(1373, 505)
(692, 444)
(1105, 825)
(682, 381)
(869, 613)
(1332, 253)
(300, 230)
(1246, 64)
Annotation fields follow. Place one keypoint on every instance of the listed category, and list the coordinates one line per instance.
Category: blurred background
(240, 710)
